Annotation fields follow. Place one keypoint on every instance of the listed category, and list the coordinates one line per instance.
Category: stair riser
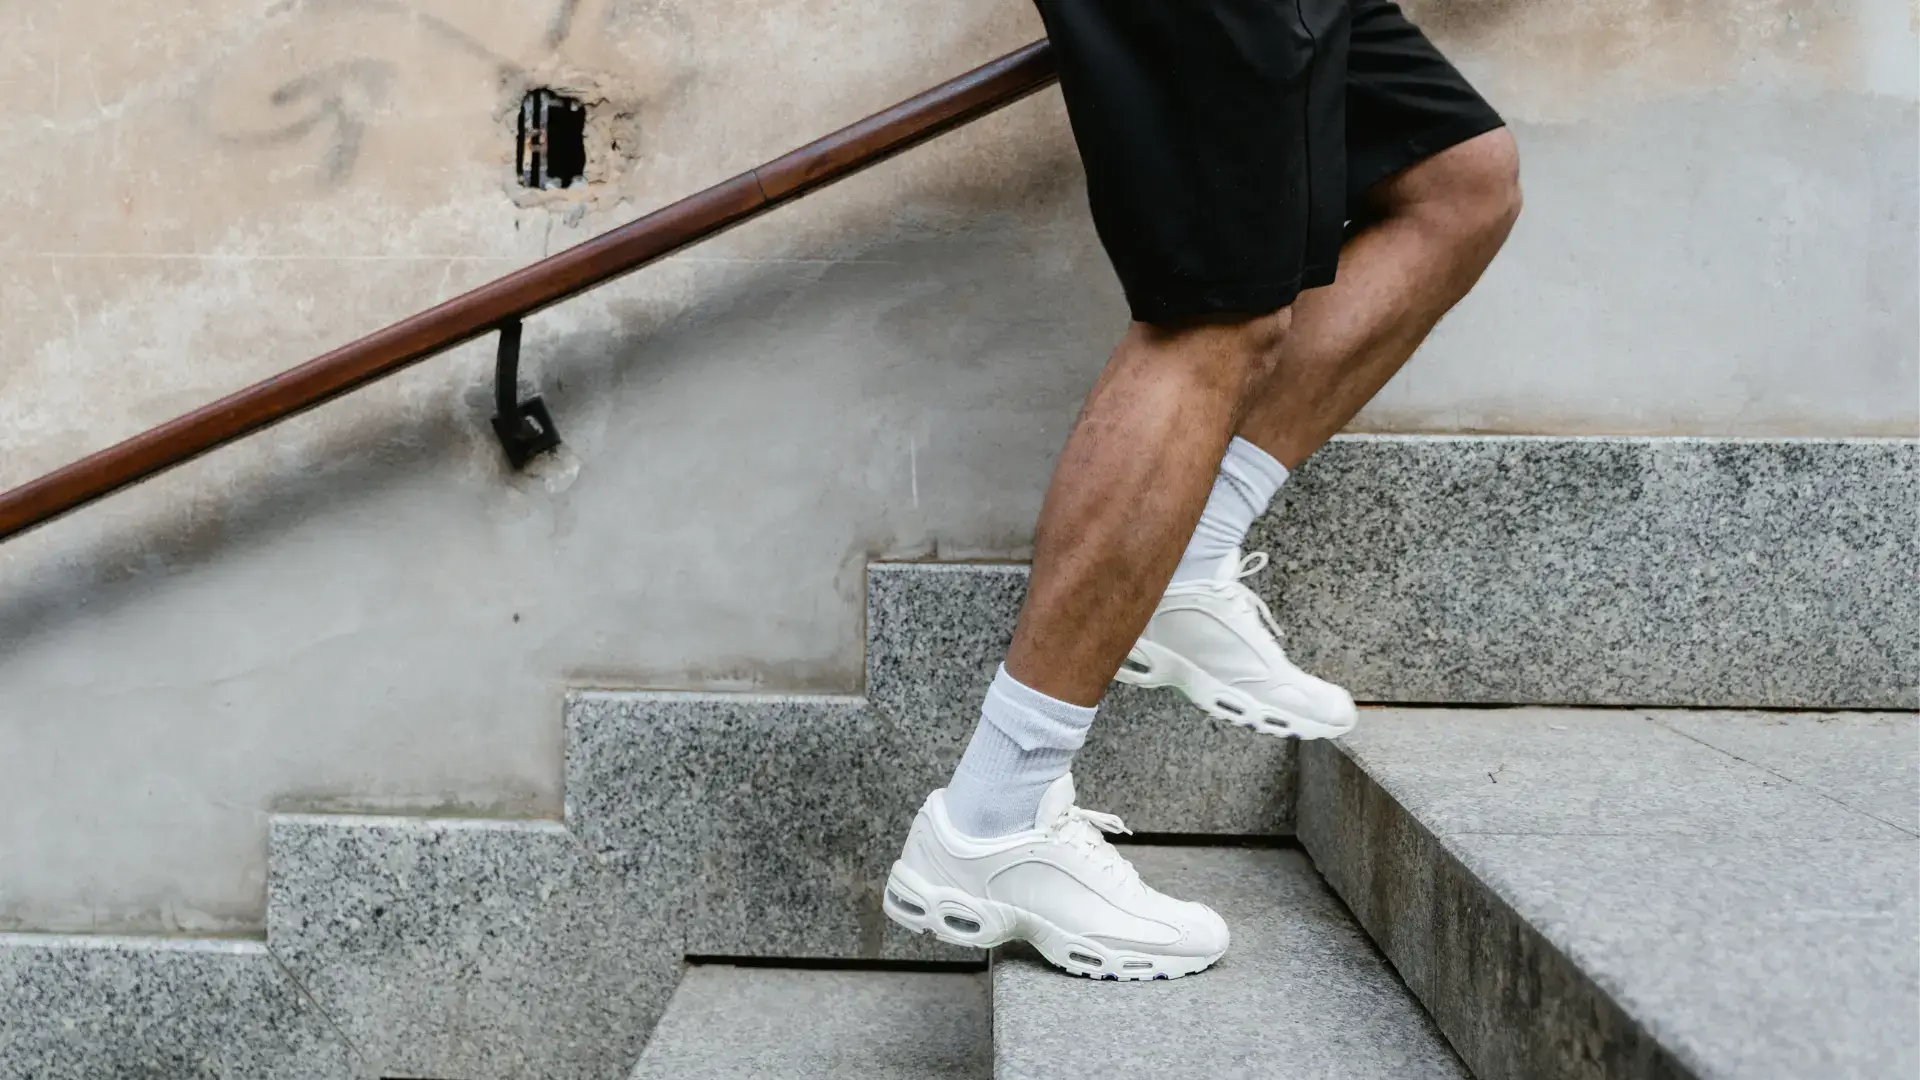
(473, 950)
(784, 816)
(89, 1008)
(1604, 571)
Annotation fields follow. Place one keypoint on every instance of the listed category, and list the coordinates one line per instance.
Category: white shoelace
(1084, 829)
(1250, 566)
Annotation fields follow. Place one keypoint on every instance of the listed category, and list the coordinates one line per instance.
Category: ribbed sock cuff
(1032, 719)
(1248, 480)
(1024, 742)
(1255, 472)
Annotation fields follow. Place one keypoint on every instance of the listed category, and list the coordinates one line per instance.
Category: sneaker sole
(1156, 666)
(960, 918)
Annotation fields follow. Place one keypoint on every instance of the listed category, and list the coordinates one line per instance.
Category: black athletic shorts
(1228, 142)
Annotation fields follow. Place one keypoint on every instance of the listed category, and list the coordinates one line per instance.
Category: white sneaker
(1216, 642)
(1059, 885)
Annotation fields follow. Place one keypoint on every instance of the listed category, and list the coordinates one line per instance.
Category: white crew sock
(1249, 478)
(1025, 741)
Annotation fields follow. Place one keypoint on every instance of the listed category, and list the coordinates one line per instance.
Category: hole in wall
(551, 148)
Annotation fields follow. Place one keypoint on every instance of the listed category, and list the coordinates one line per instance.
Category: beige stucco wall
(364, 609)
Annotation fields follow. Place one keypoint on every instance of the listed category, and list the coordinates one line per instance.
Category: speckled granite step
(473, 950)
(1635, 895)
(1301, 994)
(1616, 571)
(1688, 572)
(77, 1007)
(755, 1023)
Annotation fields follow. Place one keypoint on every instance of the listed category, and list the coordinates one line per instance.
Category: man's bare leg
(1141, 460)
(1439, 224)
(1192, 175)
(1127, 492)
(1125, 497)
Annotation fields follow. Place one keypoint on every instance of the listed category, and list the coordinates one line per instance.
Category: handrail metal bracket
(525, 427)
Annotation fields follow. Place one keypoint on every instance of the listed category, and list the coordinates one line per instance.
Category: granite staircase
(1693, 857)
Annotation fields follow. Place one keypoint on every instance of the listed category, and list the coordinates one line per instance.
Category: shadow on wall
(360, 454)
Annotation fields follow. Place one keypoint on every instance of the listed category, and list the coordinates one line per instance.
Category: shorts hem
(1362, 176)
(1176, 301)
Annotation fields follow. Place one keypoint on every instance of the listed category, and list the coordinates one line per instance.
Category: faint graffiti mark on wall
(330, 100)
(334, 100)
(561, 27)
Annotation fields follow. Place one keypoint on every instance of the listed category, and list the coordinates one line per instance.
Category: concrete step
(744, 1023)
(1301, 994)
(1627, 894)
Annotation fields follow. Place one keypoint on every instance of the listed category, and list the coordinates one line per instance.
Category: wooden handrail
(519, 294)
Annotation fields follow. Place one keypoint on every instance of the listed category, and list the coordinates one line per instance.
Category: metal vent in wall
(551, 151)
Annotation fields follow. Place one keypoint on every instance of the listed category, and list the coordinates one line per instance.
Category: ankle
(1024, 742)
(1245, 487)
(1205, 567)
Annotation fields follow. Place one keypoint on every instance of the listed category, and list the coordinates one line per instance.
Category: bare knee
(1255, 342)
(1493, 182)
(1470, 191)
(1236, 354)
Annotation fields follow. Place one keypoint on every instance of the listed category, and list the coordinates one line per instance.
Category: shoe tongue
(1229, 568)
(1057, 800)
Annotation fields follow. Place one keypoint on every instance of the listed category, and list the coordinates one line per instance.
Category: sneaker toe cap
(1318, 699)
(1205, 933)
